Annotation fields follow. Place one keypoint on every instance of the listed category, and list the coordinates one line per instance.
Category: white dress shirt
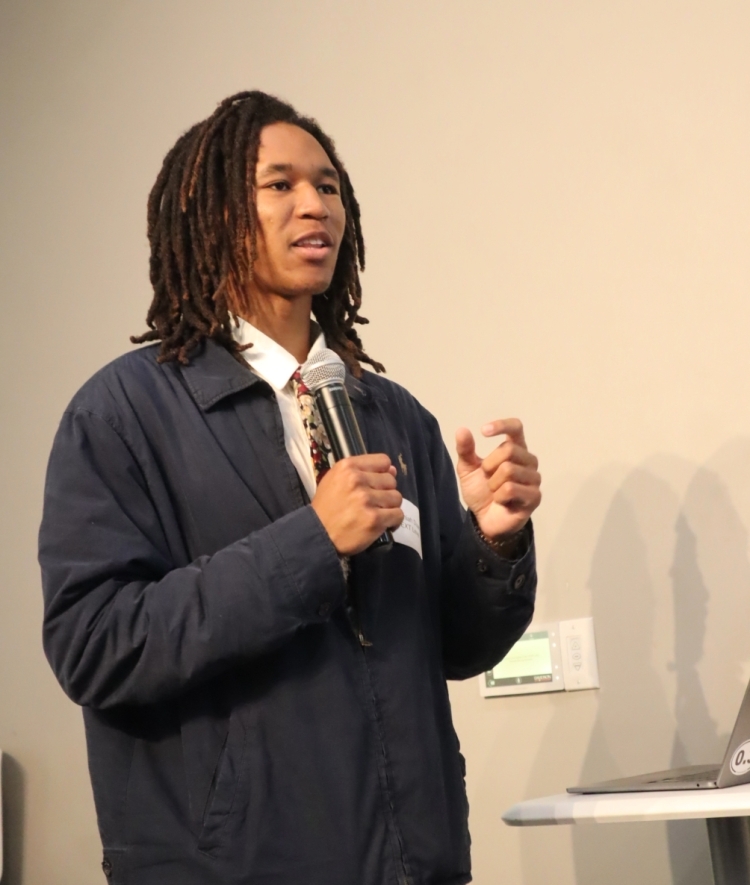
(275, 365)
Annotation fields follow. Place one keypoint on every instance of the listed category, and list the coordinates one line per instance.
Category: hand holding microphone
(357, 500)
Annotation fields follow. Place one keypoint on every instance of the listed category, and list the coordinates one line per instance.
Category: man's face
(301, 218)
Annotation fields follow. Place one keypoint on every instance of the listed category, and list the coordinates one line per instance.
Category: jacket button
(519, 582)
(107, 867)
(482, 567)
(324, 608)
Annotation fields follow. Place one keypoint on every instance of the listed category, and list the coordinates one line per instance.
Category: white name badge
(409, 532)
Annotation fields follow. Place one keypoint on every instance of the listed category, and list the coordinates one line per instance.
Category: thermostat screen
(529, 661)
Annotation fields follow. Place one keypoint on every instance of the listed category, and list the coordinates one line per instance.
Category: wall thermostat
(554, 656)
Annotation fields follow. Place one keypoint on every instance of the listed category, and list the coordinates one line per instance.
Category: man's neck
(285, 320)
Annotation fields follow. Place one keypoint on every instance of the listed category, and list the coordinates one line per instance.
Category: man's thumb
(466, 449)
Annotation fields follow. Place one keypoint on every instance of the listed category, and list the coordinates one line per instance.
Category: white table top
(619, 807)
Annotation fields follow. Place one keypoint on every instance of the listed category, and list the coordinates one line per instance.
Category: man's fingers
(380, 480)
(512, 427)
(392, 518)
(466, 449)
(384, 499)
(514, 473)
(376, 463)
(517, 497)
(464, 442)
(354, 475)
(509, 451)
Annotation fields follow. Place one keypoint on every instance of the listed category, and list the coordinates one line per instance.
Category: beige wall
(556, 199)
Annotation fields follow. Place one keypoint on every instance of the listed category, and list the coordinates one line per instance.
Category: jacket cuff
(514, 576)
(310, 563)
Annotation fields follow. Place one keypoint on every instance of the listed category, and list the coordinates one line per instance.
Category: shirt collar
(213, 374)
(266, 357)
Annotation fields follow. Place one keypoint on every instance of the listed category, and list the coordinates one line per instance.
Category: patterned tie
(320, 446)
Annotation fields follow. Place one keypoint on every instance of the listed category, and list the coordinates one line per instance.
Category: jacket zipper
(353, 616)
(402, 874)
(351, 605)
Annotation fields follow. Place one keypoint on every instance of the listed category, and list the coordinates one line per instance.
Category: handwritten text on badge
(409, 532)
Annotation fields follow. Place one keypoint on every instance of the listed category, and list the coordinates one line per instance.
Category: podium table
(726, 812)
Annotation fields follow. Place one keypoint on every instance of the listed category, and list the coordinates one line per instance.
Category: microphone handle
(340, 423)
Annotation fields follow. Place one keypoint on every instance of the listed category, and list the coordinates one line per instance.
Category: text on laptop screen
(530, 660)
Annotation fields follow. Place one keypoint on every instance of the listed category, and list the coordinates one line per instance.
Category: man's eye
(279, 185)
(328, 188)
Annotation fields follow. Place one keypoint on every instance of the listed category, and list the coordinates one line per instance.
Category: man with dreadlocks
(264, 699)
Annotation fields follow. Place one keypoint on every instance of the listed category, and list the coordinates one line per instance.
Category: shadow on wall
(633, 727)
(14, 783)
(669, 569)
(687, 840)
(710, 567)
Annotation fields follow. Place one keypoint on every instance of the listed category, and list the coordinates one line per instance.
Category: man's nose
(311, 203)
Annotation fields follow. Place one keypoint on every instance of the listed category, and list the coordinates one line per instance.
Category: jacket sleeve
(122, 624)
(486, 601)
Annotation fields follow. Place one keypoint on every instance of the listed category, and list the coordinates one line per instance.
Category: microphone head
(323, 368)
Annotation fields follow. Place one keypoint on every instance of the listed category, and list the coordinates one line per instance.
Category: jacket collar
(214, 374)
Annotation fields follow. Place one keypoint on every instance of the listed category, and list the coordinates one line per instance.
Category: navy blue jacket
(238, 729)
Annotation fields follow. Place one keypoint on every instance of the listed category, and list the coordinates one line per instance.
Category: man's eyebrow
(271, 168)
(285, 168)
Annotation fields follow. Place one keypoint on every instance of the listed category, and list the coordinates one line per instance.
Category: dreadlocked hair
(201, 218)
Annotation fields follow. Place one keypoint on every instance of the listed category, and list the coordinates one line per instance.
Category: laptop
(735, 769)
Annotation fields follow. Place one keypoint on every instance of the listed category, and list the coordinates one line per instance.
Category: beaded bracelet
(503, 546)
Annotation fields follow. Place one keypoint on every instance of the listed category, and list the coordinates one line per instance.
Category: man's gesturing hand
(501, 490)
(357, 500)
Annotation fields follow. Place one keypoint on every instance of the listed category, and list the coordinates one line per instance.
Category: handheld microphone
(324, 375)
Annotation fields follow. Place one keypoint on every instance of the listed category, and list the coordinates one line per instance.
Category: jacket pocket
(226, 785)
